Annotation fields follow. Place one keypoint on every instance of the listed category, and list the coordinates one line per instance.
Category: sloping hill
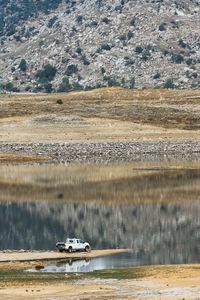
(99, 43)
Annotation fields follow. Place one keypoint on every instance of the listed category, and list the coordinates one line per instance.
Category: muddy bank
(108, 152)
(147, 282)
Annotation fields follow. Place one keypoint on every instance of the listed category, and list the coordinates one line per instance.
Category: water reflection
(98, 263)
(161, 233)
(153, 209)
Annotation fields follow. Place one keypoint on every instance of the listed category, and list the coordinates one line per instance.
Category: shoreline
(101, 152)
(26, 255)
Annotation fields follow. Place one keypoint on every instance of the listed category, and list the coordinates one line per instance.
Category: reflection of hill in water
(152, 224)
(127, 185)
(164, 233)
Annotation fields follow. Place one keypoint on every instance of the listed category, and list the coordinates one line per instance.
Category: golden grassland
(109, 114)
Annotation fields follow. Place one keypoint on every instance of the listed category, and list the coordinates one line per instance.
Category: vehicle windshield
(82, 242)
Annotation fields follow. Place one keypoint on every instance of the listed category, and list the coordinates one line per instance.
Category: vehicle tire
(86, 249)
(60, 250)
(70, 249)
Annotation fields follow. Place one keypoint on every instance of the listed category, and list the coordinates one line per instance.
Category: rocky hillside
(70, 45)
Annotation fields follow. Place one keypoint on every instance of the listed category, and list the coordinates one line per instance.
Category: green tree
(132, 83)
(48, 88)
(47, 74)
(65, 86)
(23, 65)
(138, 49)
(177, 58)
(169, 84)
(71, 69)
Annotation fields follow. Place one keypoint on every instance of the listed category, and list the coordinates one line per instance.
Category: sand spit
(14, 256)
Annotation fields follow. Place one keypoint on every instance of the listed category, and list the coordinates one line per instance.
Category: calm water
(156, 212)
(98, 263)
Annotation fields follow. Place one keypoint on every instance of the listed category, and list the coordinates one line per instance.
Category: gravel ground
(108, 152)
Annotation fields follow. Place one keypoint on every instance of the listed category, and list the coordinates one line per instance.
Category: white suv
(72, 245)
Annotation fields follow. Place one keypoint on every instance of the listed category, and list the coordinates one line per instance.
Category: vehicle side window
(71, 241)
(77, 241)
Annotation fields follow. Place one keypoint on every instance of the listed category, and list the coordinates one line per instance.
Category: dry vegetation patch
(101, 115)
(9, 158)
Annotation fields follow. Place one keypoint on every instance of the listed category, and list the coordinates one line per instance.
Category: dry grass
(109, 114)
(9, 158)
(165, 108)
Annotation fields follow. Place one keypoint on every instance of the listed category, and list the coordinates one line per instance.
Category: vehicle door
(82, 244)
(76, 244)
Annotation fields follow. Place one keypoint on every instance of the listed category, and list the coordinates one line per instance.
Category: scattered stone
(107, 152)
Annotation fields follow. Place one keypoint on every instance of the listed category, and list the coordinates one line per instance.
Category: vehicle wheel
(70, 250)
(86, 249)
(60, 250)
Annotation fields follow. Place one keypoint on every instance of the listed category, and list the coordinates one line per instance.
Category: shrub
(156, 76)
(123, 82)
(48, 88)
(194, 74)
(146, 54)
(79, 50)
(169, 84)
(105, 47)
(79, 19)
(182, 43)
(189, 61)
(23, 65)
(177, 58)
(76, 86)
(106, 20)
(130, 35)
(122, 37)
(52, 21)
(103, 70)
(113, 82)
(27, 88)
(118, 8)
(71, 69)
(65, 86)
(10, 88)
(47, 74)
(94, 23)
(162, 27)
(132, 22)
(138, 49)
(132, 83)
(85, 60)
(59, 101)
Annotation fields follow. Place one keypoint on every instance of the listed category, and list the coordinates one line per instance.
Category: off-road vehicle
(72, 245)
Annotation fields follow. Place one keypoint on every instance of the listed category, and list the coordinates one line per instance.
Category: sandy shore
(13, 256)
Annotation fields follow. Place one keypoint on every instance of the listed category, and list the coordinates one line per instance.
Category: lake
(151, 207)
